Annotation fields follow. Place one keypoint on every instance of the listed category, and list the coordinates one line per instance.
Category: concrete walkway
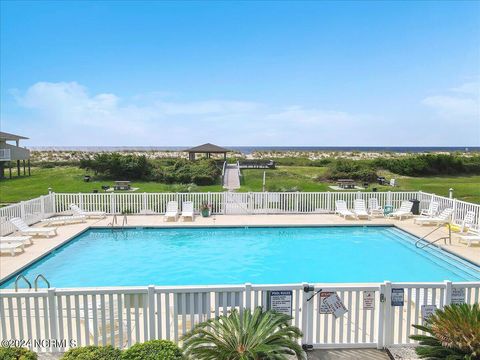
(347, 354)
(231, 180)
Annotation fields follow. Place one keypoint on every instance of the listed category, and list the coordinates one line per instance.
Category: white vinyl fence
(227, 203)
(31, 211)
(127, 315)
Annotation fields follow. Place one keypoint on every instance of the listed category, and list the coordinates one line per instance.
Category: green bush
(117, 166)
(453, 334)
(153, 350)
(431, 164)
(351, 169)
(17, 353)
(200, 172)
(93, 353)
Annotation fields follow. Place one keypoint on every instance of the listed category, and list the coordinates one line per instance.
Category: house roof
(208, 148)
(8, 136)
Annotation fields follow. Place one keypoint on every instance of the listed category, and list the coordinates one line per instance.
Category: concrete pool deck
(41, 246)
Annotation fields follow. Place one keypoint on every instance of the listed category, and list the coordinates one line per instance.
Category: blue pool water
(197, 256)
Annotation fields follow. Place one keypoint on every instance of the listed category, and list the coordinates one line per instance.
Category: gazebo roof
(207, 148)
(8, 136)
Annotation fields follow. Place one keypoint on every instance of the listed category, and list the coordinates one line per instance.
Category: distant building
(10, 153)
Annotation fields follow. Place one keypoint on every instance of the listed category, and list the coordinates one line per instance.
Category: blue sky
(241, 73)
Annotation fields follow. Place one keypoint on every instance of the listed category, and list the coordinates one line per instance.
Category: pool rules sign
(280, 301)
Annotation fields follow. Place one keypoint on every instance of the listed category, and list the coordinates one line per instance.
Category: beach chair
(342, 210)
(187, 210)
(468, 221)
(404, 211)
(373, 208)
(442, 218)
(472, 236)
(431, 211)
(360, 210)
(88, 214)
(16, 239)
(11, 247)
(24, 229)
(172, 211)
(64, 220)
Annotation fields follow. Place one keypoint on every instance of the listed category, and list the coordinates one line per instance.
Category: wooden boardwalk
(231, 180)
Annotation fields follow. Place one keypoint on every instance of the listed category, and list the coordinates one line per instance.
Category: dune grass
(284, 178)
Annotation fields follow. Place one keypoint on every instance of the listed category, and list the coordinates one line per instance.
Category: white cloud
(461, 103)
(65, 113)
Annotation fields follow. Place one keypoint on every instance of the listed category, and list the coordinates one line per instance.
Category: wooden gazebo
(207, 149)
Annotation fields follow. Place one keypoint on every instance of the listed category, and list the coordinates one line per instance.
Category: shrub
(259, 335)
(153, 350)
(93, 353)
(117, 166)
(17, 353)
(431, 164)
(351, 169)
(454, 334)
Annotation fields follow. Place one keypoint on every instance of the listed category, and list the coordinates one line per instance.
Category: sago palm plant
(454, 334)
(248, 336)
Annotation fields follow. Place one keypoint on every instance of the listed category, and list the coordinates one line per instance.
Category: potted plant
(205, 209)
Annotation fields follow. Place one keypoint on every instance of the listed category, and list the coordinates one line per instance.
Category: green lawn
(70, 179)
(284, 178)
(466, 188)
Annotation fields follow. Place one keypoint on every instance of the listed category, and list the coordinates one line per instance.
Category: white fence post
(388, 325)
(389, 199)
(151, 313)
(42, 206)
(329, 202)
(22, 210)
(248, 296)
(381, 317)
(52, 315)
(454, 214)
(307, 315)
(144, 201)
(448, 292)
(80, 201)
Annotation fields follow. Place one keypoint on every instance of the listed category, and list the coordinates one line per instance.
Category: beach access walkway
(231, 179)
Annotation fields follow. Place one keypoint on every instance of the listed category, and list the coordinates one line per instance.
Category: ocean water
(267, 255)
(250, 149)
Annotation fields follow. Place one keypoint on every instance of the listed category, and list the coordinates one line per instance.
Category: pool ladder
(115, 220)
(39, 277)
(428, 243)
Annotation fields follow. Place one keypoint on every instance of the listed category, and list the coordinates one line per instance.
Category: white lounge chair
(342, 210)
(442, 218)
(16, 239)
(64, 220)
(373, 208)
(431, 211)
(404, 211)
(470, 237)
(11, 247)
(172, 211)
(468, 221)
(24, 229)
(88, 214)
(359, 209)
(187, 210)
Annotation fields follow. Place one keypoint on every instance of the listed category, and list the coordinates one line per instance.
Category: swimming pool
(260, 255)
